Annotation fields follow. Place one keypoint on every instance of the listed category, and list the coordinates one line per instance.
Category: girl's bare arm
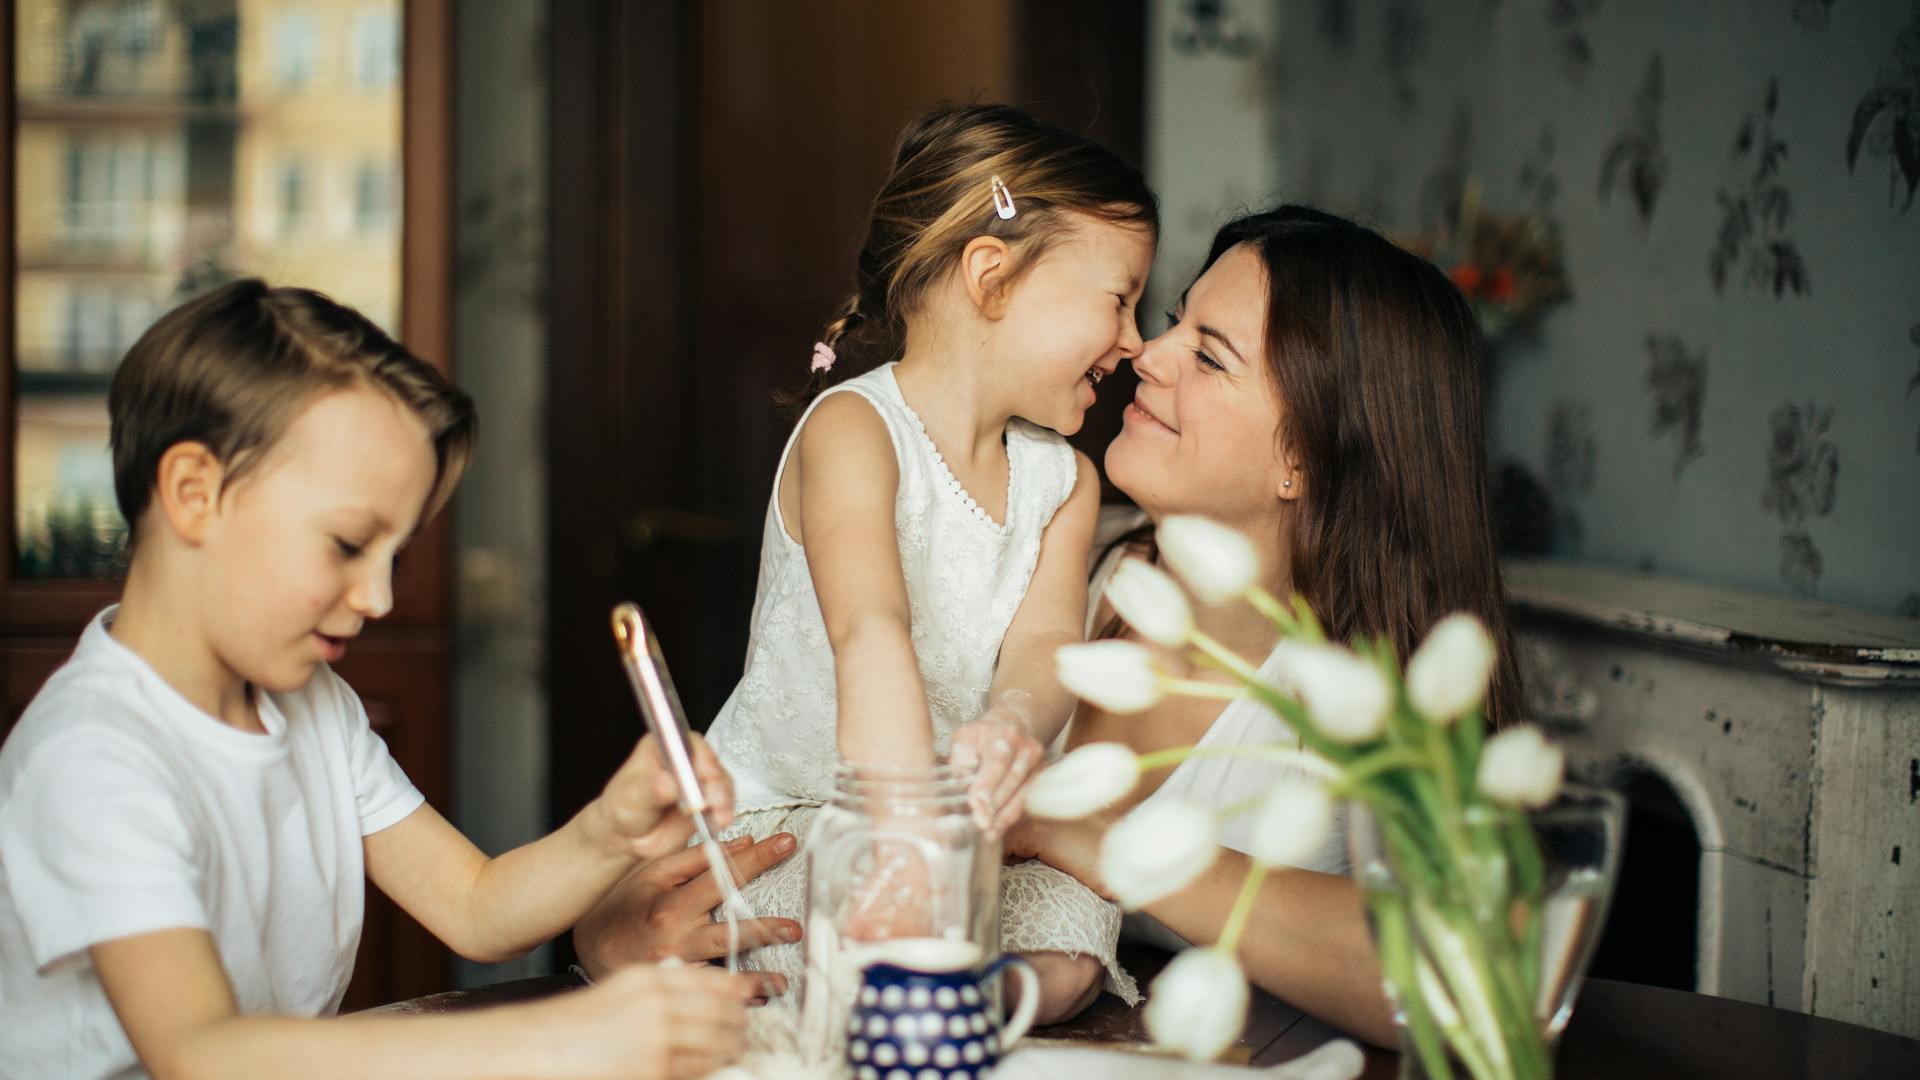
(1054, 611)
(846, 483)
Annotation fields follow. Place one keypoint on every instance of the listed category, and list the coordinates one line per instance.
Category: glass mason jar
(895, 854)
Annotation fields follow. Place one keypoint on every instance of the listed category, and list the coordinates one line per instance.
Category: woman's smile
(1139, 414)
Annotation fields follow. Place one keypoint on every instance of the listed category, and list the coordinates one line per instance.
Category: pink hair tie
(823, 357)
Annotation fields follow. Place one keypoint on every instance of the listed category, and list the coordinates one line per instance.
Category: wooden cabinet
(402, 675)
(151, 151)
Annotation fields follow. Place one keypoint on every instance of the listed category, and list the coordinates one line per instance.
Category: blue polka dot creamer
(909, 1024)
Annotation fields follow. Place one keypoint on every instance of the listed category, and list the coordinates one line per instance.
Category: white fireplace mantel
(1791, 732)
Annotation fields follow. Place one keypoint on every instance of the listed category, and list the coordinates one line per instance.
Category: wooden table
(1619, 1030)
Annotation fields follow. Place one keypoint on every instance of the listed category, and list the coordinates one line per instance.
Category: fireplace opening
(1651, 932)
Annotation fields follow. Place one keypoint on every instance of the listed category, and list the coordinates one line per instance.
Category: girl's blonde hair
(940, 195)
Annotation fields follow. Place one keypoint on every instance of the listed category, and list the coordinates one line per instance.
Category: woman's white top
(1219, 782)
(965, 577)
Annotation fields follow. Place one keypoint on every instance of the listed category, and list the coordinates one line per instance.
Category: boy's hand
(1004, 752)
(640, 811)
(651, 1023)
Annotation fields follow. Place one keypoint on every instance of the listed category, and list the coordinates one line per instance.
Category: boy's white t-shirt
(124, 809)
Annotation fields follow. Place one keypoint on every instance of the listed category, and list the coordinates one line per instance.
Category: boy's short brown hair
(233, 369)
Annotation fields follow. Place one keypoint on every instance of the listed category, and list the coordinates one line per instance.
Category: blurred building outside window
(161, 148)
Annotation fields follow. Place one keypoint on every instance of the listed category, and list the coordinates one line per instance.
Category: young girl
(926, 543)
(191, 807)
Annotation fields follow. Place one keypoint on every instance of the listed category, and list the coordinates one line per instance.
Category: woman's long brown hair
(1377, 358)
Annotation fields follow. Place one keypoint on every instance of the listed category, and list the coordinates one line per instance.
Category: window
(96, 331)
(372, 198)
(110, 187)
(376, 49)
(293, 48)
(293, 197)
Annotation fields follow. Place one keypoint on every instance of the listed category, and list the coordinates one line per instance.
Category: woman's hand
(647, 1023)
(1001, 748)
(663, 911)
(639, 812)
(1069, 846)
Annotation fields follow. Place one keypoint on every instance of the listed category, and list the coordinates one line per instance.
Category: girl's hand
(1001, 747)
(895, 901)
(639, 811)
(650, 1023)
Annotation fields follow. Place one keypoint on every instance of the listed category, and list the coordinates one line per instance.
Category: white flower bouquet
(1459, 929)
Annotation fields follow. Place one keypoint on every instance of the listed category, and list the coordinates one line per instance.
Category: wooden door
(712, 166)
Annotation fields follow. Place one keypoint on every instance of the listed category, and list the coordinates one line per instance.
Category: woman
(1320, 392)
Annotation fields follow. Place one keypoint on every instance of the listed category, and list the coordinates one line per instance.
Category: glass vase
(1485, 926)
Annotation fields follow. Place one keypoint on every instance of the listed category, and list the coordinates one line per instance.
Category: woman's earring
(1287, 483)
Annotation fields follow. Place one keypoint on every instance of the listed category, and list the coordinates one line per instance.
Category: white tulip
(1086, 781)
(1217, 563)
(1347, 696)
(1157, 850)
(1151, 602)
(1449, 672)
(1520, 768)
(1118, 676)
(1291, 823)
(1198, 1004)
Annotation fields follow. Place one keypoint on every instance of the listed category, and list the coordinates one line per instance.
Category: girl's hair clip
(1002, 199)
(823, 357)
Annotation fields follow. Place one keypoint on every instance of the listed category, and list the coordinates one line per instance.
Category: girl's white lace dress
(965, 575)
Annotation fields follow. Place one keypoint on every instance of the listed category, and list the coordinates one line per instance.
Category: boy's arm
(847, 482)
(496, 909)
(174, 1001)
(1027, 706)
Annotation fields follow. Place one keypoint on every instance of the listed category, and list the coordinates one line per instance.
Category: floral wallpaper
(1733, 392)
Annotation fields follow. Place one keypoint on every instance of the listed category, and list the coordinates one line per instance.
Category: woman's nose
(1153, 361)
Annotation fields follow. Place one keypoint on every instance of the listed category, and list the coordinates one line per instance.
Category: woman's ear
(186, 489)
(984, 264)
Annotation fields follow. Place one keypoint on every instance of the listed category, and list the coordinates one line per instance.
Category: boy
(188, 807)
